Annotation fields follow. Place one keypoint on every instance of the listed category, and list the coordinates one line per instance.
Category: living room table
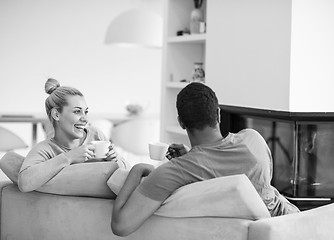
(40, 118)
(34, 119)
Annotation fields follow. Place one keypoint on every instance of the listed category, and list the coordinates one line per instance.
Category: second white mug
(158, 150)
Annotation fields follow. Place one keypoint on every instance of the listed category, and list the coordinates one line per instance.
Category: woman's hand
(112, 154)
(81, 154)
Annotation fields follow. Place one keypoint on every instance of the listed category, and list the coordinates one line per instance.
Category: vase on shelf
(198, 74)
(196, 17)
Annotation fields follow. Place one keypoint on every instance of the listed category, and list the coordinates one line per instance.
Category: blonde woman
(67, 110)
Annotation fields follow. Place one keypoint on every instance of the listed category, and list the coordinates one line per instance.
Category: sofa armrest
(3, 183)
(311, 224)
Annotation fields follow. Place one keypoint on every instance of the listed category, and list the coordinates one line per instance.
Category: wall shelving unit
(179, 55)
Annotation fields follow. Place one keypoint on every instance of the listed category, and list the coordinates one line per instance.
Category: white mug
(101, 148)
(158, 150)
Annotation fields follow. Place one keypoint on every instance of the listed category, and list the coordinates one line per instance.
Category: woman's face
(73, 119)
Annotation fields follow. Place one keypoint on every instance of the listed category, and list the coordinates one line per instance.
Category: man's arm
(131, 208)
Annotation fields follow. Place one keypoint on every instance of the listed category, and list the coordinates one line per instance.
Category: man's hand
(176, 150)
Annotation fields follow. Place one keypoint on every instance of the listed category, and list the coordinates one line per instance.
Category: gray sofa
(45, 216)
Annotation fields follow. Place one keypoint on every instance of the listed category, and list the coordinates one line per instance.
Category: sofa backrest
(231, 196)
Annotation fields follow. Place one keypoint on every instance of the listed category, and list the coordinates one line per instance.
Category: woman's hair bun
(51, 85)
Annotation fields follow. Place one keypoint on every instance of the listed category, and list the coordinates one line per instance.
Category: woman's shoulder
(45, 147)
(44, 144)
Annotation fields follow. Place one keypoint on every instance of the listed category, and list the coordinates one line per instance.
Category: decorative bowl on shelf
(135, 108)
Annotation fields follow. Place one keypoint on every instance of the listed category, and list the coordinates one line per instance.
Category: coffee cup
(158, 150)
(101, 148)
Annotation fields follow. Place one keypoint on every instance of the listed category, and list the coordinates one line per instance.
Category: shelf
(179, 57)
(176, 130)
(178, 85)
(194, 38)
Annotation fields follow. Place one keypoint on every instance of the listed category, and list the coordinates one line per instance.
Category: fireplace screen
(302, 149)
(303, 156)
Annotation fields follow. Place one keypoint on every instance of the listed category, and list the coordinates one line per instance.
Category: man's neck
(206, 136)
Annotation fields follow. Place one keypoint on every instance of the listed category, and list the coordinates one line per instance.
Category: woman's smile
(80, 126)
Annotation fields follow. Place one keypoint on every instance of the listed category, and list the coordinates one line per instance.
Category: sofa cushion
(117, 179)
(10, 164)
(231, 196)
(82, 179)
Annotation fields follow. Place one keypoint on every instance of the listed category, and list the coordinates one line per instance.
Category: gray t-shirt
(243, 153)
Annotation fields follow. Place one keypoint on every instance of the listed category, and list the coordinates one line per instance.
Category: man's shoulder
(249, 133)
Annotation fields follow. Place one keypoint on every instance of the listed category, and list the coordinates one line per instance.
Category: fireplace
(302, 146)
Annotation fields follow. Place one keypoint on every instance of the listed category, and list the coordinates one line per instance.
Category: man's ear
(180, 123)
(55, 114)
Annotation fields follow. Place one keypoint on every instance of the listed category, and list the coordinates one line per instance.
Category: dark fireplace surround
(302, 146)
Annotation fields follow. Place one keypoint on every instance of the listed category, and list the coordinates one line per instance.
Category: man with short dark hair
(211, 156)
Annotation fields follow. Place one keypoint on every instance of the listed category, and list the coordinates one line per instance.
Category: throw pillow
(231, 196)
(82, 179)
(10, 164)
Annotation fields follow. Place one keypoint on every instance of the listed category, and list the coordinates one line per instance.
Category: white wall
(248, 52)
(64, 39)
(312, 56)
(272, 54)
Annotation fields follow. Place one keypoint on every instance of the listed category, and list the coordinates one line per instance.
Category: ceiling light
(136, 27)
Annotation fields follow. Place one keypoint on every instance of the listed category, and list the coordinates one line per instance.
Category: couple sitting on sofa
(211, 156)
